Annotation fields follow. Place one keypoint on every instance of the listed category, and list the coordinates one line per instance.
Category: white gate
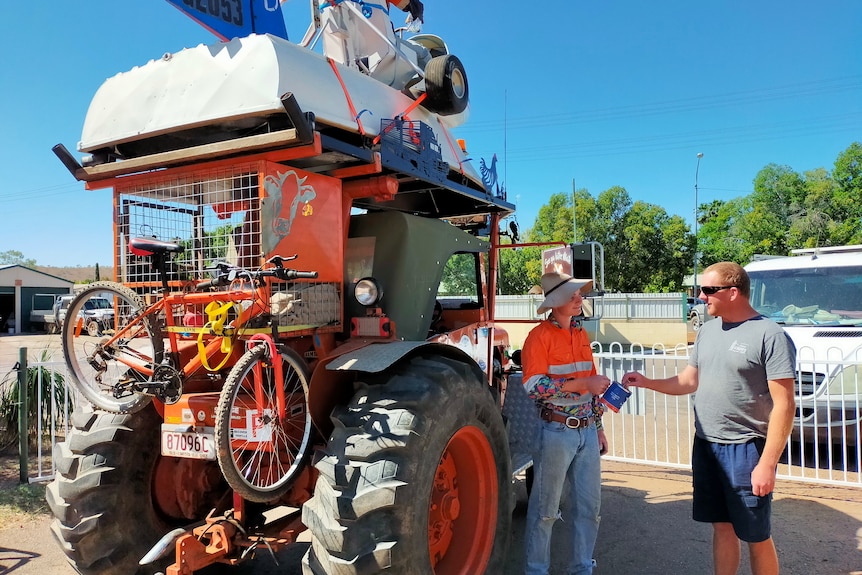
(52, 427)
(654, 428)
(658, 429)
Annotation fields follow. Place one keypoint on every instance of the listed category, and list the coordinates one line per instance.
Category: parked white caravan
(816, 294)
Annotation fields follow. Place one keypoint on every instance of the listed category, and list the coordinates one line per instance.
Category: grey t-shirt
(734, 361)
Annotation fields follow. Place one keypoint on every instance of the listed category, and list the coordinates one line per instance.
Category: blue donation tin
(615, 396)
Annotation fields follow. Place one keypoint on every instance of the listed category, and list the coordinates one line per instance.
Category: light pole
(696, 171)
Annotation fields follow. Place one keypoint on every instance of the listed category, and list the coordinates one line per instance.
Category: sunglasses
(712, 290)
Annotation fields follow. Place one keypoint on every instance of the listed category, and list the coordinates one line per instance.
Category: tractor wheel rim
(462, 514)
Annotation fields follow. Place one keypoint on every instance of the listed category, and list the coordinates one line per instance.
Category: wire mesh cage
(215, 216)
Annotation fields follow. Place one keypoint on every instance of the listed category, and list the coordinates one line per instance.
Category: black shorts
(722, 488)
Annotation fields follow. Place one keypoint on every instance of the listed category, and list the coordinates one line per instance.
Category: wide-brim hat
(559, 289)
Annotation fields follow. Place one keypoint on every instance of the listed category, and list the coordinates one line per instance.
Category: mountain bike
(217, 335)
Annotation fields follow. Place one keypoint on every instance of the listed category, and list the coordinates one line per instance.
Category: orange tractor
(302, 334)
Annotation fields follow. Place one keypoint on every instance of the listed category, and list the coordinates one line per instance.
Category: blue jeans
(570, 458)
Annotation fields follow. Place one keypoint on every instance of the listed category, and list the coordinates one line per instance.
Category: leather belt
(568, 420)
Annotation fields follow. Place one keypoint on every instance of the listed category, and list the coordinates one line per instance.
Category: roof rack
(827, 250)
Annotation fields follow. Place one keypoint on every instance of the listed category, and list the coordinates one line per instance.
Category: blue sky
(603, 93)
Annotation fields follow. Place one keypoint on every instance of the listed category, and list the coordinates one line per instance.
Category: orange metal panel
(196, 409)
(301, 213)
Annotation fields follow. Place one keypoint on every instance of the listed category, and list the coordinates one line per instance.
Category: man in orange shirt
(560, 376)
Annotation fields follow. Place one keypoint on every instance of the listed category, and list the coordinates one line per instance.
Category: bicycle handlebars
(227, 274)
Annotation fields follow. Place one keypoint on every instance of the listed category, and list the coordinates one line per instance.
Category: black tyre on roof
(446, 87)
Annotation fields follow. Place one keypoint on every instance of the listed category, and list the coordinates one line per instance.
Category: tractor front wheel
(415, 479)
(114, 496)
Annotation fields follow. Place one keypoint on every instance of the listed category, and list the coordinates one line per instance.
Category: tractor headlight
(368, 292)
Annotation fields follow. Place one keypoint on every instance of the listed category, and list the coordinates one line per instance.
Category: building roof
(10, 274)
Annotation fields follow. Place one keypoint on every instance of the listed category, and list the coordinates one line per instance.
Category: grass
(22, 503)
(19, 503)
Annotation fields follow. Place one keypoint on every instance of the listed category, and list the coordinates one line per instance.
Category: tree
(459, 275)
(520, 269)
(645, 249)
(658, 248)
(786, 211)
(97, 272)
(554, 220)
(14, 257)
(847, 175)
(717, 237)
(608, 228)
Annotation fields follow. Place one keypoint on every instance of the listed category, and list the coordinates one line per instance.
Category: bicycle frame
(259, 296)
(278, 375)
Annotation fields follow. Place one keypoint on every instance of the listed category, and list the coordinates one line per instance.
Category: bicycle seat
(151, 246)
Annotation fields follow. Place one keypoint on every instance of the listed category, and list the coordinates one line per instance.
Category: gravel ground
(646, 530)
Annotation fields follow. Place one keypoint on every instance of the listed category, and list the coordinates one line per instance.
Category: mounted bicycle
(220, 337)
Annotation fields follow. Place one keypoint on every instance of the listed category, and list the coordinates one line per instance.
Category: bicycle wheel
(124, 350)
(260, 453)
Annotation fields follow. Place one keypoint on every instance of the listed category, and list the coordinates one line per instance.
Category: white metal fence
(609, 306)
(653, 428)
(50, 382)
(658, 429)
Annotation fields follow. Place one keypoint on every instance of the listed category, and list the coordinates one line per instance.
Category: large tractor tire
(415, 479)
(107, 510)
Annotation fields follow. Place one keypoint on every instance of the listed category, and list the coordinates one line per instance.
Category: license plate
(180, 441)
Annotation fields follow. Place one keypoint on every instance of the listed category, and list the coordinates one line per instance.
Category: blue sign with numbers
(236, 18)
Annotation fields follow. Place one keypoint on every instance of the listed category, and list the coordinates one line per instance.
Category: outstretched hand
(633, 379)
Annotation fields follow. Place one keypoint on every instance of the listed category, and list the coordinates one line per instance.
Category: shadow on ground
(647, 529)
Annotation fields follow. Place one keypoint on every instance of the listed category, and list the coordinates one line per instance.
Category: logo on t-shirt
(737, 347)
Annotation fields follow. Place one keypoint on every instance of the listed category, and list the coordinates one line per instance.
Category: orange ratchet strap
(334, 67)
(402, 115)
(451, 146)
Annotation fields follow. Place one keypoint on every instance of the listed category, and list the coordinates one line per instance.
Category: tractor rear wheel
(415, 479)
(112, 496)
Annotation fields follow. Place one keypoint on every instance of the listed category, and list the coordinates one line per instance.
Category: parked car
(697, 313)
(98, 313)
(814, 295)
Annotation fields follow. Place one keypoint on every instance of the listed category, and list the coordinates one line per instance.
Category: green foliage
(645, 248)
(720, 223)
(27, 499)
(787, 211)
(214, 244)
(14, 257)
(648, 250)
(459, 276)
(40, 381)
(554, 222)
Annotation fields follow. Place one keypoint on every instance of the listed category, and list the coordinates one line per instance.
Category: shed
(23, 289)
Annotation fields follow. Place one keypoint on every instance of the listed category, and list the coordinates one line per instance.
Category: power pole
(574, 216)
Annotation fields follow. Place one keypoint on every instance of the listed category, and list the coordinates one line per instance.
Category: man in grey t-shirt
(743, 370)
